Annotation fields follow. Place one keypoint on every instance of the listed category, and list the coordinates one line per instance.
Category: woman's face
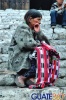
(35, 23)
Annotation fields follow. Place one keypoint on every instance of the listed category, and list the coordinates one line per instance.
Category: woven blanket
(47, 65)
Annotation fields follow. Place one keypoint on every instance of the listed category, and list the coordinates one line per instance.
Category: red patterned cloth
(47, 66)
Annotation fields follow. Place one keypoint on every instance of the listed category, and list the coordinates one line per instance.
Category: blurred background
(26, 4)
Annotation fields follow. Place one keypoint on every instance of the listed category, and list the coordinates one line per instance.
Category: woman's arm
(24, 39)
(42, 37)
(45, 39)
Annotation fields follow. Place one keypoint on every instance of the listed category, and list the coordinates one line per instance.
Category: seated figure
(26, 37)
(58, 13)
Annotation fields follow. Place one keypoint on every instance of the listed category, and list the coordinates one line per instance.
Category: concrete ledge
(7, 80)
(14, 93)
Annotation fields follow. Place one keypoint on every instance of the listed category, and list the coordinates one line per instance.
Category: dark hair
(32, 13)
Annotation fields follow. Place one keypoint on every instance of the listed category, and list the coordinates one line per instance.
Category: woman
(27, 36)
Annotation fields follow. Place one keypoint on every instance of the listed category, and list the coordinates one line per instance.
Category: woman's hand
(60, 8)
(37, 27)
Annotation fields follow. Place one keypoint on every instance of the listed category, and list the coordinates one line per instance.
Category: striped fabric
(47, 65)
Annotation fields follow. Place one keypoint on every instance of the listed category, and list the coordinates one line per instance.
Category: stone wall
(9, 20)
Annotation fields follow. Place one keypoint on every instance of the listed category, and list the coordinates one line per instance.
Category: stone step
(7, 79)
(6, 34)
(59, 30)
(58, 42)
(62, 72)
(64, 88)
(62, 55)
(3, 58)
(63, 63)
(60, 48)
(54, 36)
(4, 45)
(15, 93)
(58, 36)
(3, 65)
(7, 72)
(61, 82)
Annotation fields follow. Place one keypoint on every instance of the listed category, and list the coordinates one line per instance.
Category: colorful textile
(47, 66)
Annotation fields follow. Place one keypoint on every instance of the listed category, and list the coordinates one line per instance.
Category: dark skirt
(31, 72)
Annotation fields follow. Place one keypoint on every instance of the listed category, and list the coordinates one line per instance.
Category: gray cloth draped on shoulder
(21, 46)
